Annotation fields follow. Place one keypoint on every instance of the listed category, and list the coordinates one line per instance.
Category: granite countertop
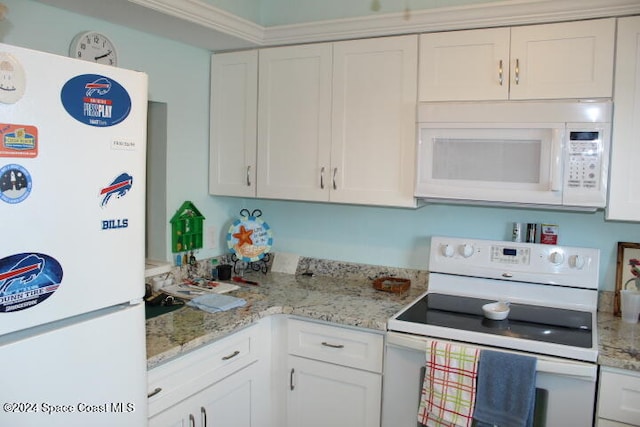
(350, 301)
(619, 342)
(345, 301)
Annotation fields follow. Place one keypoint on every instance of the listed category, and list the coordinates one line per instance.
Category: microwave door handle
(555, 168)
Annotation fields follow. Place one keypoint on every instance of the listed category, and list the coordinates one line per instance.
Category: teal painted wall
(395, 237)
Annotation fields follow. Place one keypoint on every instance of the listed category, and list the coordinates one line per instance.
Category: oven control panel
(510, 255)
(530, 262)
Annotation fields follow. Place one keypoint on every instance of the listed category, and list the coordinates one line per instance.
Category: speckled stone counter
(339, 293)
(345, 300)
(619, 342)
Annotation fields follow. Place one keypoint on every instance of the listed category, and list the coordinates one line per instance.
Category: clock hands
(103, 56)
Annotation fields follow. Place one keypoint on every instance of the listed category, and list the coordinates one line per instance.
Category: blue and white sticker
(96, 100)
(27, 279)
(15, 183)
(117, 188)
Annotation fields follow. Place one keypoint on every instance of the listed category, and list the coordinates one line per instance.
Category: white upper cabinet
(232, 147)
(336, 122)
(373, 121)
(464, 65)
(624, 191)
(294, 123)
(563, 60)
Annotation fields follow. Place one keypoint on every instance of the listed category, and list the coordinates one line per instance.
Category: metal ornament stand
(260, 265)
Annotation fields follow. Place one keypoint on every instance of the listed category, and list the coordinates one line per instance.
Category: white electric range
(553, 293)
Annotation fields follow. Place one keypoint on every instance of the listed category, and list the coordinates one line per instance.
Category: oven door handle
(545, 364)
(575, 369)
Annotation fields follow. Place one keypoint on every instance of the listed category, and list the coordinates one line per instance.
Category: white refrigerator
(72, 196)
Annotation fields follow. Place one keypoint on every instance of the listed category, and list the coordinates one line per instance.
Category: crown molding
(483, 15)
(208, 16)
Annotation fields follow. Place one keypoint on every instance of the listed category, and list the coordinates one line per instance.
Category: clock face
(93, 47)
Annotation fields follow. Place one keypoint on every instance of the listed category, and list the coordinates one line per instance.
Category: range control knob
(576, 261)
(466, 250)
(447, 251)
(556, 257)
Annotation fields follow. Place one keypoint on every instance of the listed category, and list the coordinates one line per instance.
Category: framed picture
(627, 272)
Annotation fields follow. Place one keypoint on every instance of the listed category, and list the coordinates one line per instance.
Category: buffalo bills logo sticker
(117, 188)
(15, 183)
(95, 100)
(27, 279)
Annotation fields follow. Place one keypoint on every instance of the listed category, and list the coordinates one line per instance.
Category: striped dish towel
(449, 388)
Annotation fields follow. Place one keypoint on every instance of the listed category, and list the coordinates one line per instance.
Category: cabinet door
(294, 113)
(236, 400)
(624, 191)
(464, 65)
(565, 60)
(618, 395)
(179, 415)
(322, 394)
(232, 150)
(373, 121)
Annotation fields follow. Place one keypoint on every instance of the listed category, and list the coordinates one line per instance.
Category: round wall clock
(94, 47)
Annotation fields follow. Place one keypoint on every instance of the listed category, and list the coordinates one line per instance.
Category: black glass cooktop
(531, 322)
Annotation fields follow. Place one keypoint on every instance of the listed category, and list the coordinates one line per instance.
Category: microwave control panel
(585, 159)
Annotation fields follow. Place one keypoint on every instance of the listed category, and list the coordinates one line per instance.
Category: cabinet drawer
(619, 396)
(335, 344)
(180, 378)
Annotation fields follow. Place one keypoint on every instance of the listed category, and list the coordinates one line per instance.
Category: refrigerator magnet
(15, 183)
(12, 79)
(27, 279)
(18, 141)
(95, 100)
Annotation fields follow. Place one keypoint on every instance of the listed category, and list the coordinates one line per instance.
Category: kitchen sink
(161, 304)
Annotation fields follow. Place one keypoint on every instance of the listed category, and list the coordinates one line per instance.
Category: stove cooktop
(529, 322)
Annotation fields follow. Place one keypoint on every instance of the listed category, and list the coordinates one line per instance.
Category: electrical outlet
(210, 237)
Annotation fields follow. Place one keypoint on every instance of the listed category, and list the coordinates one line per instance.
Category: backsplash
(339, 270)
(311, 266)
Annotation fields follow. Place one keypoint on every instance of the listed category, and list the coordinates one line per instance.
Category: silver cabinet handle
(517, 77)
(203, 416)
(192, 420)
(154, 392)
(231, 356)
(500, 72)
(322, 178)
(326, 344)
(335, 171)
(249, 176)
(291, 386)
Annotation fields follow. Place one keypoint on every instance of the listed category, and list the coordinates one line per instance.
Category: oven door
(565, 389)
(503, 163)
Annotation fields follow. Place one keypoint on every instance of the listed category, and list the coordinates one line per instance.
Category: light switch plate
(284, 262)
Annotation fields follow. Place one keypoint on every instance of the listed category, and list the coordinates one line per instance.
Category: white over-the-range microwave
(534, 153)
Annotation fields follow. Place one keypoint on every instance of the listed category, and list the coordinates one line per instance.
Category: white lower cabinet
(280, 372)
(224, 384)
(334, 375)
(231, 402)
(618, 398)
(323, 394)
